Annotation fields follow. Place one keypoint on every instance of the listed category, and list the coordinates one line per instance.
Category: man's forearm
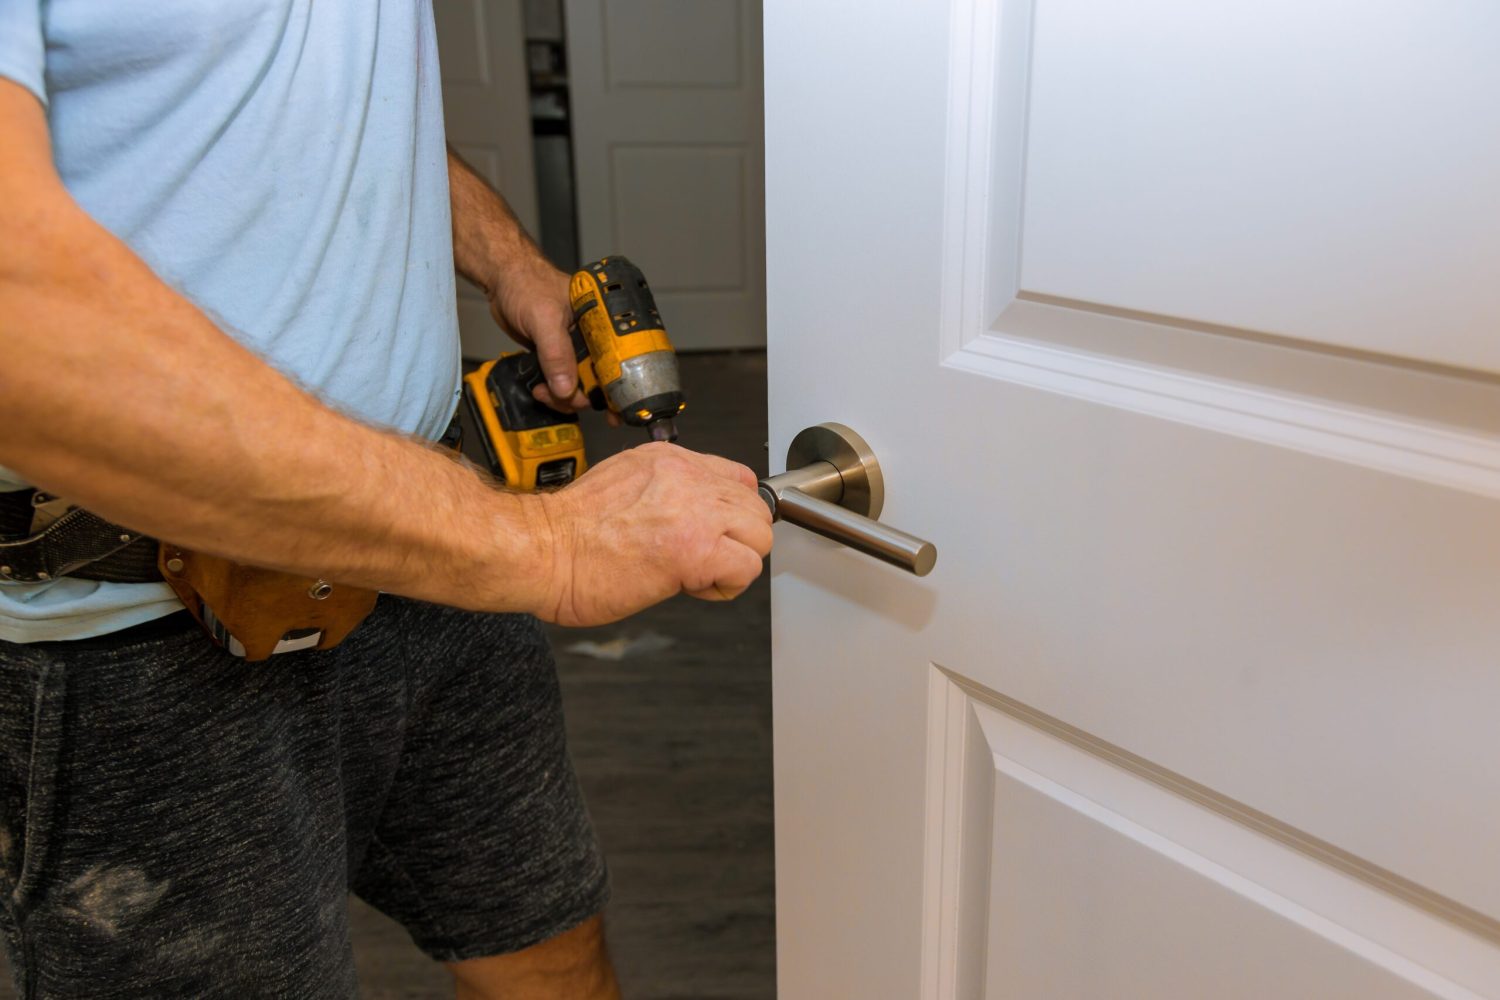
(528, 296)
(487, 236)
(121, 396)
(118, 394)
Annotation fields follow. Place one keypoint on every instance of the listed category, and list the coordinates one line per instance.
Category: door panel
(1262, 163)
(667, 132)
(644, 43)
(1217, 608)
(1066, 882)
(1321, 633)
(1065, 845)
(673, 202)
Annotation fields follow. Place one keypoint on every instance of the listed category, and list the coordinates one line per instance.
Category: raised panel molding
(983, 747)
(1397, 419)
(485, 159)
(642, 44)
(1447, 457)
(680, 208)
(463, 40)
(668, 156)
(1239, 163)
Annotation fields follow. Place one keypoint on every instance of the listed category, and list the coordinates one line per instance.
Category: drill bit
(664, 429)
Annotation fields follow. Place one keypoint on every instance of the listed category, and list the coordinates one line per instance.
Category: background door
(667, 149)
(1174, 326)
(485, 110)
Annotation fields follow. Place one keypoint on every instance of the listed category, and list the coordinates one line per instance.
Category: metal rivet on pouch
(44, 576)
(174, 565)
(320, 590)
(124, 538)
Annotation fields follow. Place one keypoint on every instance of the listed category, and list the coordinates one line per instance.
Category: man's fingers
(543, 394)
(736, 568)
(752, 530)
(554, 349)
(737, 559)
(727, 468)
(746, 503)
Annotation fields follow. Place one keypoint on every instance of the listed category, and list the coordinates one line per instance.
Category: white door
(486, 109)
(1176, 326)
(666, 110)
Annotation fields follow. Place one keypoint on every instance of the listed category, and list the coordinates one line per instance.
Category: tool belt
(252, 612)
(43, 538)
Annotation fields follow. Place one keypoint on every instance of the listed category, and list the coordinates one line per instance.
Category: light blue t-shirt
(282, 164)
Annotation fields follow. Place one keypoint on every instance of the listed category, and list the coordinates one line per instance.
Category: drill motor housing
(633, 360)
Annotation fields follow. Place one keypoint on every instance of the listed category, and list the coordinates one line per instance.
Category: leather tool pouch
(256, 613)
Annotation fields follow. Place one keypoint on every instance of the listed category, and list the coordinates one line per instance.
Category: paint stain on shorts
(109, 899)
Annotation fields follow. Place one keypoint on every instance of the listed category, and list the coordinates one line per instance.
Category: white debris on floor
(622, 647)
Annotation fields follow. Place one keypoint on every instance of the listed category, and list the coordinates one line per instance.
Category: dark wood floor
(674, 753)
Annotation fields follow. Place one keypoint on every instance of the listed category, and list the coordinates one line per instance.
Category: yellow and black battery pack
(528, 444)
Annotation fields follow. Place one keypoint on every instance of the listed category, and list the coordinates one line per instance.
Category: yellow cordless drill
(625, 363)
(630, 357)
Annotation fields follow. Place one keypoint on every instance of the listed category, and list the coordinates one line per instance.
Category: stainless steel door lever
(833, 487)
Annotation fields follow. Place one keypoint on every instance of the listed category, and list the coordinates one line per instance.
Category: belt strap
(80, 544)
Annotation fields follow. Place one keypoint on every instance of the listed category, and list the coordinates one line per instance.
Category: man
(228, 234)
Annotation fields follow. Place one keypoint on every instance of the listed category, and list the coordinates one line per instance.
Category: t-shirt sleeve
(23, 53)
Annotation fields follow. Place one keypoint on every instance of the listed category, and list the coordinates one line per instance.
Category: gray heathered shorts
(180, 823)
